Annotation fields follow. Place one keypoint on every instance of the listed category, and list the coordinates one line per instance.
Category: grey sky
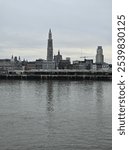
(78, 27)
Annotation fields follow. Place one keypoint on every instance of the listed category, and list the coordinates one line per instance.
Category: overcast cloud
(78, 27)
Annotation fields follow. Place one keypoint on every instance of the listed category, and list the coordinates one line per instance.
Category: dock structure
(58, 75)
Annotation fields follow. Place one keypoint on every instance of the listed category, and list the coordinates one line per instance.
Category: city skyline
(78, 28)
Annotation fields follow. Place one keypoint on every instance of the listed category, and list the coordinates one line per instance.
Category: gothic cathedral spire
(50, 47)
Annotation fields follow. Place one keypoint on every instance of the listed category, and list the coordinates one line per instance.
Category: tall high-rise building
(99, 55)
(50, 47)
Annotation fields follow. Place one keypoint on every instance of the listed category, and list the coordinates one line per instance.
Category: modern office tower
(50, 47)
(99, 55)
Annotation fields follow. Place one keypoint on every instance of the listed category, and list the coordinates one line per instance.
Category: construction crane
(87, 57)
(83, 57)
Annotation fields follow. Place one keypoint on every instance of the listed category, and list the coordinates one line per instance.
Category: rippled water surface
(55, 115)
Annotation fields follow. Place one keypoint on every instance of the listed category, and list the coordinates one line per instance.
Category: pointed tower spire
(58, 52)
(50, 47)
(50, 34)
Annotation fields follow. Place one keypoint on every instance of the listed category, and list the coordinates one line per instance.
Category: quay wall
(58, 75)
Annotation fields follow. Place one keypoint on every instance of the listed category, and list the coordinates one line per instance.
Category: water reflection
(63, 89)
(99, 91)
(49, 96)
(102, 120)
(59, 115)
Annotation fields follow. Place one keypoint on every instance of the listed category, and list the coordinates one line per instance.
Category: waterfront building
(48, 65)
(16, 62)
(65, 64)
(99, 56)
(30, 65)
(106, 67)
(57, 59)
(5, 65)
(86, 64)
(94, 67)
(68, 58)
(39, 64)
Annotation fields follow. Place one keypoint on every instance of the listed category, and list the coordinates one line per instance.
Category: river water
(55, 115)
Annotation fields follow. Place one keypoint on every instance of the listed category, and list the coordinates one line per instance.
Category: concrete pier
(58, 75)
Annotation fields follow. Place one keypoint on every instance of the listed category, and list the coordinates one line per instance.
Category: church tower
(50, 47)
